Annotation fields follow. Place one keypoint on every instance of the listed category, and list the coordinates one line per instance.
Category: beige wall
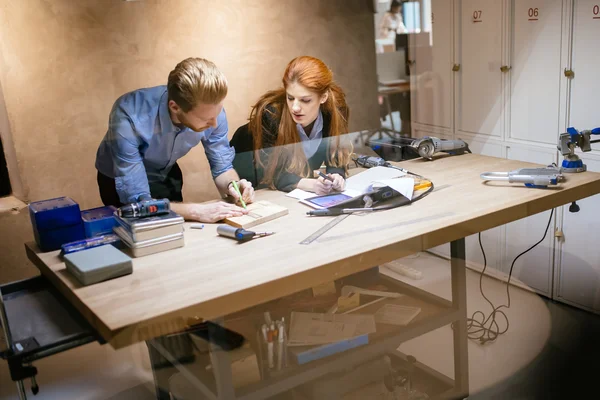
(64, 62)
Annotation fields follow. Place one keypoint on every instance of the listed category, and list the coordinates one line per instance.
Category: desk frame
(457, 317)
(498, 204)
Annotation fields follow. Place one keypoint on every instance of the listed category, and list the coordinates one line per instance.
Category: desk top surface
(213, 276)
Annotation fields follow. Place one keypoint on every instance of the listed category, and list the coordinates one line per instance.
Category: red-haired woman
(294, 130)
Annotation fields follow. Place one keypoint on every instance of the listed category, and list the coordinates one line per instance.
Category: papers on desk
(366, 181)
(303, 195)
(377, 177)
(315, 328)
(362, 182)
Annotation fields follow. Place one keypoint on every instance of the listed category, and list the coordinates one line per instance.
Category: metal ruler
(324, 229)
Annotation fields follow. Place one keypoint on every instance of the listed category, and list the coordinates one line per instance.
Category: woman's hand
(339, 183)
(322, 186)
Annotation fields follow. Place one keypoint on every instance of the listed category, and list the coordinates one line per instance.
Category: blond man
(150, 129)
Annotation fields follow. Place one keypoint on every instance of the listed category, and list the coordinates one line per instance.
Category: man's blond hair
(196, 81)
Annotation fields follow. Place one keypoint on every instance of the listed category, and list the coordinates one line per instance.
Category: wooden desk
(214, 276)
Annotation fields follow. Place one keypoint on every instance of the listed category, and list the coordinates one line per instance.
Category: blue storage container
(98, 221)
(55, 222)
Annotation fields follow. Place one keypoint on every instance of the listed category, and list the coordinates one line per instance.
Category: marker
(237, 190)
(322, 175)
(197, 226)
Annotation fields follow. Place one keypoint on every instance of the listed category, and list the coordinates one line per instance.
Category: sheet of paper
(402, 185)
(316, 328)
(395, 314)
(361, 182)
(300, 194)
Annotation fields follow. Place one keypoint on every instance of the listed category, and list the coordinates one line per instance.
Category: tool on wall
(567, 144)
(531, 177)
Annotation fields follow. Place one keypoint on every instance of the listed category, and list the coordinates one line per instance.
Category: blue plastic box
(55, 222)
(98, 221)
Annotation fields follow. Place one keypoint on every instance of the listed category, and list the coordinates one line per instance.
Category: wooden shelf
(435, 313)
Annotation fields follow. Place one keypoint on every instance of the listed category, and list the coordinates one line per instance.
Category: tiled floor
(541, 356)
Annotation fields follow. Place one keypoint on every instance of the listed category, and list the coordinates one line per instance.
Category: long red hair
(313, 74)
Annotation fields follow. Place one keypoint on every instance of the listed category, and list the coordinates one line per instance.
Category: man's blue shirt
(142, 144)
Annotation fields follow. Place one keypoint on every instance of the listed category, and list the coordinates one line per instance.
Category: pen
(197, 226)
(237, 189)
(322, 175)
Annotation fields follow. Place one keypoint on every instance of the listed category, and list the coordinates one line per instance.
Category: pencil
(237, 189)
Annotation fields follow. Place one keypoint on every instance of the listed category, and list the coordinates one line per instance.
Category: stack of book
(150, 235)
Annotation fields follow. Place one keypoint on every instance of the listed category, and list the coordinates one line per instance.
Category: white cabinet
(490, 239)
(578, 270)
(577, 273)
(585, 86)
(518, 112)
(479, 87)
(432, 78)
(536, 70)
(533, 269)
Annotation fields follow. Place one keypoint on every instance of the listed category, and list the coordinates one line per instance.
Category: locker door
(490, 238)
(479, 90)
(536, 63)
(578, 277)
(534, 269)
(434, 83)
(585, 86)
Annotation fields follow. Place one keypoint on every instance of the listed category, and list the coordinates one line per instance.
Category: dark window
(4, 180)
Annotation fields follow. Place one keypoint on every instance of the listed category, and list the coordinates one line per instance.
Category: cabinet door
(536, 63)
(585, 86)
(490, 238)
(578, 275)
(479, 89)
(534, 269)
(433, 79)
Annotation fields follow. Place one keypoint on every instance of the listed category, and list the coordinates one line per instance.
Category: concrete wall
(63, 63)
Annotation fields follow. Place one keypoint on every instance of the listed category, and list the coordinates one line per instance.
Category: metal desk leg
(9, 344)
(459, 301)
(221, 364)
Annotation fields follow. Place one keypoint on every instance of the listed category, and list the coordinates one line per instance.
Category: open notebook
(363, 182)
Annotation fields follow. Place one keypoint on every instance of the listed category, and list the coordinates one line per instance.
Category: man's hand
(210, 213)
(245, 188)
(322, 186)
(339, 183)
